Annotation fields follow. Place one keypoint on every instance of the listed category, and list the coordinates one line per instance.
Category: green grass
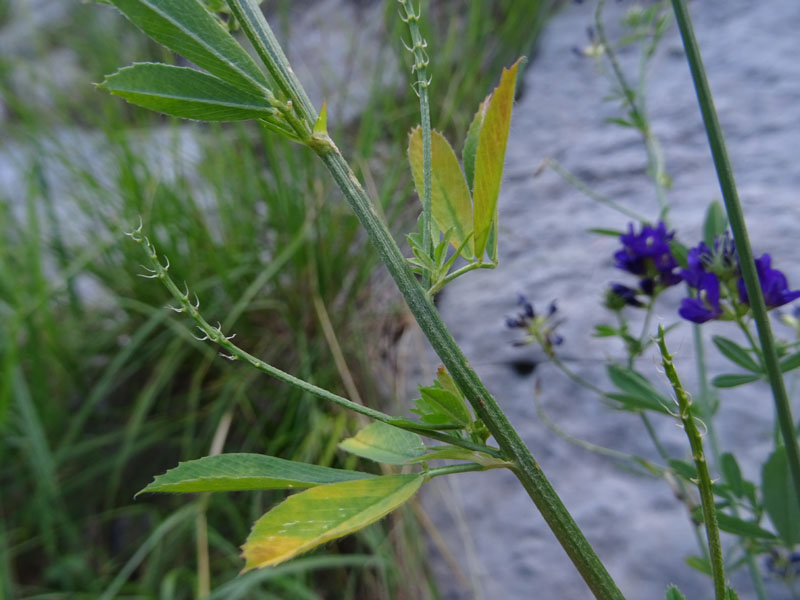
(101, 387)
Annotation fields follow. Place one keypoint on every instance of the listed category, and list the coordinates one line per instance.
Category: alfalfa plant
(459, 220)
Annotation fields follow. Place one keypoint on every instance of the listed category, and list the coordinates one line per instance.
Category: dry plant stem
(487, 409)
(733, 207)
(703, 477)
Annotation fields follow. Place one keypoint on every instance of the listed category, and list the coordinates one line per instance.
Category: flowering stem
(216, 335)
(707, 407)
(632, 99)
(736, 218)
(417, 48)
(703, 477)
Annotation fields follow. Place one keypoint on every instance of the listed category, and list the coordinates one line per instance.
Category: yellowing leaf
(490, 157)
(383, 443)
(470, 150)
(324, 513)
(450, 201)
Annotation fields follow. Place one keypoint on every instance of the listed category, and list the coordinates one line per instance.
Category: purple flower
(705, 306)
(695, 260)
(538, 328)
(647, 254)
(621, 295)
(773, 285)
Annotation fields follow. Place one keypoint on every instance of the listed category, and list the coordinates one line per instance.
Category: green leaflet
(470, 151)
(674, 594)
(733, 380)
(716, 223)
(240, 471)
(490, 156)
(187, 28)
(440, 406)
(186, 93)
(780, 501)
(637, 392)
(313, 517)
(736, 354)
(442, 403)
(386, 444)
(451, 205)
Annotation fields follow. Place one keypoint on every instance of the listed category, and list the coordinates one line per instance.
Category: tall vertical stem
(420, 68)
(736, 218)
(703, 477)
(525, 466)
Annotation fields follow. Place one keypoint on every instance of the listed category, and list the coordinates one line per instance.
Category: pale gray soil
(638, 528)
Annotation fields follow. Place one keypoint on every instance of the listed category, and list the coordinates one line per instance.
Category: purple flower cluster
(646, 254)
(773, 285)
(538, 328)
(715, 275)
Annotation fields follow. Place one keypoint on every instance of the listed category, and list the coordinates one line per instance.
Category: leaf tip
(321, 126)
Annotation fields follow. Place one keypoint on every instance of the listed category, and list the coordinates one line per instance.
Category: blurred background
(102, 387)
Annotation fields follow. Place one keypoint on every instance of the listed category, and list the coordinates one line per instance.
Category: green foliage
(464, 203)
(674, 594)
(736, 354)
(733, 380)
(451, 204)
(383, 443)
(780, 502)
(442, 404)
(637, 392)
(716, 223)
(186, 93)
(790, 363)
(239, 471)
(732, 474)
(187, 28)
(313, 517)
(102, 388)
(489, 158)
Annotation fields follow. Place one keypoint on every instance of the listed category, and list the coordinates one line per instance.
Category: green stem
(215, 334)
(736, 218)
(417, 48)
(707, 407)
(589, 192)
(458, 273)
(703, 477)
(486, 408)
(258, 31)
(574, 376)
(654, 156)
(524, 465)
(462, 468)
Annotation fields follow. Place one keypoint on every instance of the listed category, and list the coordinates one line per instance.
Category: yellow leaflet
(491, 156)
(324, 513)
(450, 201)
